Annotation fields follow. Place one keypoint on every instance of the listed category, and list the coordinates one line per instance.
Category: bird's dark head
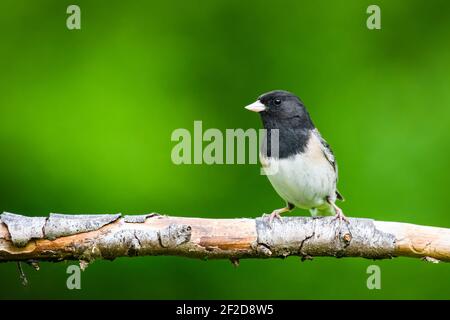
(279, 108)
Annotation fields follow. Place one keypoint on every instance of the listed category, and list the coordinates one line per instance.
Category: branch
(89, 237)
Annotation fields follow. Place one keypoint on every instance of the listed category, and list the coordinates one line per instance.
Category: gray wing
(326, 149)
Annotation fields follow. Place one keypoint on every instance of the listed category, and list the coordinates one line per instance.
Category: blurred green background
(86, 118)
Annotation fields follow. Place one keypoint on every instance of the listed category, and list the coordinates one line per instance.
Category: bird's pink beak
(256, 106)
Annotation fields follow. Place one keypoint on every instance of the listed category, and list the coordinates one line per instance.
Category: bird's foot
(340, 216)
(276, 214)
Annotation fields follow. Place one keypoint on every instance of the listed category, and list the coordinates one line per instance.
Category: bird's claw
(274, 215)
(339, 214)
(341, 217)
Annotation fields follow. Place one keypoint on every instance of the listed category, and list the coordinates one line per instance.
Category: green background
(86, 118)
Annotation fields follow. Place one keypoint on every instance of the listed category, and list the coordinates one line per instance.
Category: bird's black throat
(293, 134)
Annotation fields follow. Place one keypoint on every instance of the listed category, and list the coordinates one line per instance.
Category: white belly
(302, 180)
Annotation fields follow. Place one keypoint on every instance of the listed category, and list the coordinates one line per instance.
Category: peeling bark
(60, 225)
(90, 237)
(22, 229)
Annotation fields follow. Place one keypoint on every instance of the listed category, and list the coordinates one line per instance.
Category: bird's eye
(277, 102)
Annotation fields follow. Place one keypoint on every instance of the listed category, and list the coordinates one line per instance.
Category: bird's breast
(305, 179)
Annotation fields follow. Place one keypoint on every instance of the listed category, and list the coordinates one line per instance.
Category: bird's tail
(339, 196)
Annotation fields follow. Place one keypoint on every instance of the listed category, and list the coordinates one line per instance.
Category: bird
(302, 169)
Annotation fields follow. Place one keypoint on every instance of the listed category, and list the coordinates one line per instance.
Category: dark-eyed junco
(304, 173)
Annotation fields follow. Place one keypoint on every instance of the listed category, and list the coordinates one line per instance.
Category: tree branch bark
(90, 237)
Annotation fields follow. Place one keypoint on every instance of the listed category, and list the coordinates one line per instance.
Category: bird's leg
(339, 214)
(277, 212)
